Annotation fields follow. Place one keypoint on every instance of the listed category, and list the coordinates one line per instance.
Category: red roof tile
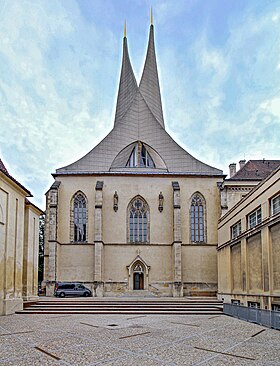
(3, 168)
(256, 170)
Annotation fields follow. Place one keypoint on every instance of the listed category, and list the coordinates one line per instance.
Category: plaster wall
(12, 229)
(249, 264)
(31, 253)
(76, 261)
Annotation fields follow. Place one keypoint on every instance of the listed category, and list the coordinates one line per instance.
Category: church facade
(138, 214)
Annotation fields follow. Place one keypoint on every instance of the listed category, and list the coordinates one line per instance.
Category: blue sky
(219, 68)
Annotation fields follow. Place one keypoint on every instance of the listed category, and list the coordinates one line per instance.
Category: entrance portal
(138, 277)
(138, 281)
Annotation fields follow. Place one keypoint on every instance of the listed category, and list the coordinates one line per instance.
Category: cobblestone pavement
(125, 340)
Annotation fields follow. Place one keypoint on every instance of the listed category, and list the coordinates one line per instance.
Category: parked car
(63, 289)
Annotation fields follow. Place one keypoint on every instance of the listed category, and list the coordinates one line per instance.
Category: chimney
(232, 169)
(242, 163)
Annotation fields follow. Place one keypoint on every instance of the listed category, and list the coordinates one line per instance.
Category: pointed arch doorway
(138, 274)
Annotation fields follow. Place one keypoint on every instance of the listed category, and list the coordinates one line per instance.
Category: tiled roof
(256, 170)
(5, 171)
(28, 203)
(3, 168)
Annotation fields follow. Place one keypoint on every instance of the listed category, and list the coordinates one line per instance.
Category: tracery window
(78, 225)
(140, 157)
(198, 218)
(138, 221)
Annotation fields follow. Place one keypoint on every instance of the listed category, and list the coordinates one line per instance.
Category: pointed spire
(127, 86)
(151, 16)
(124, 30)
(149, 84)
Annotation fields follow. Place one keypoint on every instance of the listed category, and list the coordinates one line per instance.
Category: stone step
(113, 306)
(93, 302)
(77, 306)
(112, 312)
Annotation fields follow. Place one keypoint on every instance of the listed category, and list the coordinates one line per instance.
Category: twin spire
(149, 84)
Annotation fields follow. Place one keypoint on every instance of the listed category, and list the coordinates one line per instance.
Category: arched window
(140, 157)
(79, 218)
(138, 221)
(198, 219)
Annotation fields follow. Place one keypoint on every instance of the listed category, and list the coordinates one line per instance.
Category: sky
(219, 70)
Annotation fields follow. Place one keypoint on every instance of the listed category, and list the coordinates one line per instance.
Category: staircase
(163, 306)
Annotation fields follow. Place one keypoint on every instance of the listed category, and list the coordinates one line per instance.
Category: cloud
(224, 99)
(51, 111)
(59, 67)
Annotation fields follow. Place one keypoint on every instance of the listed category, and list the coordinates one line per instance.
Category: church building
(138, 214)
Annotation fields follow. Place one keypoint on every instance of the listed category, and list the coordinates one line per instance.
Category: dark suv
(63, 289)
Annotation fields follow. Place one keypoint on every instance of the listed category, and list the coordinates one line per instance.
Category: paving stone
(87, 354)
(134, 360)
(31, 361)
(173, 340)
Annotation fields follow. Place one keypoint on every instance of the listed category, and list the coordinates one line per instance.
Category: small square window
(235, 302)
(254, 218)
(236, 230)
(276, 307)
(253, 304)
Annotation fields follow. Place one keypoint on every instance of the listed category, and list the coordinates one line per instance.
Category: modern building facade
(137, 214)
(19, 244)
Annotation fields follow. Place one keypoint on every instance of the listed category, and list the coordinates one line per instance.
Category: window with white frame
(254, 218)
(275, 205)
(253, 304)
(236, 230)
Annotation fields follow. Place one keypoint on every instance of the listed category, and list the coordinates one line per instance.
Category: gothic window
(138, 221)
(198, 219)
(78, 218)
(140, 157)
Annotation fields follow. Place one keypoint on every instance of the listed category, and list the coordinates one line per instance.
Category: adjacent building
(19, 244)
(242, 181)
(249, 248)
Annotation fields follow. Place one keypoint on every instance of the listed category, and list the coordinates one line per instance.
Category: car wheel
(86, 294)
(62, 294)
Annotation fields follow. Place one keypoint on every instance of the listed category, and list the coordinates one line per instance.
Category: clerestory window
(138, 221)
(79, 218)
(198, 218)
(140, 157)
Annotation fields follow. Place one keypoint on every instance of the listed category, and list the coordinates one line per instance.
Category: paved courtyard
(125, 340)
